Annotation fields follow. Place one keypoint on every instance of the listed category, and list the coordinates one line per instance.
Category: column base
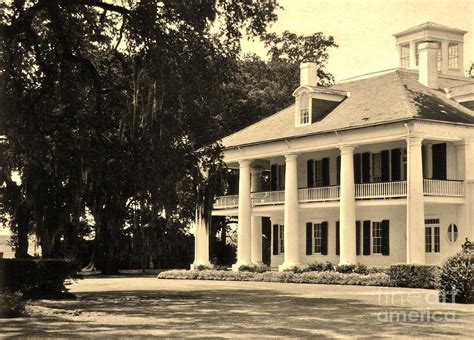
(257, 263)
(236, 266)
(195, 265)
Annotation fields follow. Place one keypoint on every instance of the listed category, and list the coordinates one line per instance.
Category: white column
(256, 252)
(244, 216)
(201, 240)
(465, 167)
(415, 202)
(347, 218)
(291, 218)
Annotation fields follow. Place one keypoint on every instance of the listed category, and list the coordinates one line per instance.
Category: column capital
(291, 157)
(256, 170)
(244, 163)
(462, 144)
(347, 149)
(414, 140)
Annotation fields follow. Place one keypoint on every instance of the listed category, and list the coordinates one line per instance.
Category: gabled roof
(428, 25)
(389, 97)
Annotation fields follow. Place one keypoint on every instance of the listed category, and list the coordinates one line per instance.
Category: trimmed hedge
(377, 279)
(414, 275)
(37, 278)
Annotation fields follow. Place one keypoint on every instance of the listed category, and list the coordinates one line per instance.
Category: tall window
(453, 55)
(281, 238)
(376, 168)
(281, 177)
(432, 236)
(318, 173)
(405, 56)
(304, 109)
(376, 238)
(318, 238)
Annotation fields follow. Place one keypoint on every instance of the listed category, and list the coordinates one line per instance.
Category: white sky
(363, 28)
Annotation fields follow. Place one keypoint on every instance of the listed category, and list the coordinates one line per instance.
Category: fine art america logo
(419, 305)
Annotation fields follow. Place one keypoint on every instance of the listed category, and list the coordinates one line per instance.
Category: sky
(364, 29)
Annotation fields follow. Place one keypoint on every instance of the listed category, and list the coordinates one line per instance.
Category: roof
(428, 25)
(389, 97)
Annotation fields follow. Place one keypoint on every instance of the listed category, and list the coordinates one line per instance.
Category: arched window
(452, 233)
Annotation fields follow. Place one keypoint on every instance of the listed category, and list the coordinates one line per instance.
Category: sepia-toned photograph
(236, 169)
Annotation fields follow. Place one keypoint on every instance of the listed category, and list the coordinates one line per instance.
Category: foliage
(456, 278)
(321, 266)
(377, 279)
(107, 104)
(413, 275)
(253, 268)
(352, 268)
(37, 278)
(11, 304)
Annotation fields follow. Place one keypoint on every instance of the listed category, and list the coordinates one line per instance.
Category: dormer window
(304, 110)
(453, 55)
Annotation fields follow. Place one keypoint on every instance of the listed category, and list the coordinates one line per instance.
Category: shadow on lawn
(218, 313)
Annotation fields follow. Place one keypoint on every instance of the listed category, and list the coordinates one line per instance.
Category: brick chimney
(308, 74)
(428, 64)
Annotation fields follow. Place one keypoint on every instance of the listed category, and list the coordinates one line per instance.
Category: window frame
(405, 58)
(376, 240)
(451, 234)
(454, 58)
(432, 235)
(317, 237)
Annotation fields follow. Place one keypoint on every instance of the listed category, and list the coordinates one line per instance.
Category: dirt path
(146, 306)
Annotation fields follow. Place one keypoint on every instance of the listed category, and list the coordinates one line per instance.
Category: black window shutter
(385, 237)
(439, 161)
(366, 247)
(357, 174)
(385, 160)
(357, 237)
(366, 167)
(324, 236)
(396, 164)
(338, 170)
(309, 238)
(325, 172)
(275, 239)
(310, 172)
(337, 238)
(273, 177)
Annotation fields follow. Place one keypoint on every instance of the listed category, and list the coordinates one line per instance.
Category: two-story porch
(403, 199)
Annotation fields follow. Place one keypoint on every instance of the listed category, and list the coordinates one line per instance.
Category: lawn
(146, 306)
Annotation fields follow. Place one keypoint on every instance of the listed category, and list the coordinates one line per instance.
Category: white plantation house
(378, 169)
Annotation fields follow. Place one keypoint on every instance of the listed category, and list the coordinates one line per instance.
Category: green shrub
(321, 266)
(11, 305)
(324, 277)
(413, 275)
(456, 279)
(375, 270)
(253, 268)
(37, 278)
(352, 268)
(203, 267)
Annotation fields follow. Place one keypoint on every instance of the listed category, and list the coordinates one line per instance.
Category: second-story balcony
(382, 190)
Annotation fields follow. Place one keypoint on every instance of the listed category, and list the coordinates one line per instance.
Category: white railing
(226, 202)
(435, 187)
(319, 194)
(381, 190)
(268, 197)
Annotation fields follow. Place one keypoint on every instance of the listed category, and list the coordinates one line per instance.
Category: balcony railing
(227, 202)
(320, 194)
(435, 187)
(268, 197)
(381, 190)
(431, 187)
